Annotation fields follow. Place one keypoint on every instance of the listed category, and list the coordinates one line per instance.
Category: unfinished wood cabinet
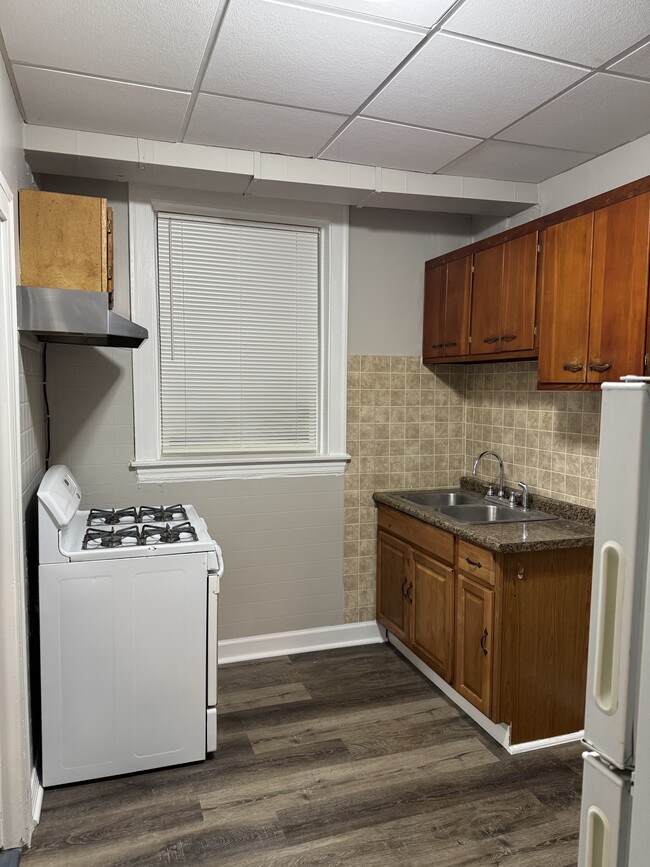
(446, 310)
(65, 241)
(509, 632)
(594, 295)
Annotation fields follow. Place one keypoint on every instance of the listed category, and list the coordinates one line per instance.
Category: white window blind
(239, 336)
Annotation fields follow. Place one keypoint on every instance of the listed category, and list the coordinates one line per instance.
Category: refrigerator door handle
(598, 842)
(608, 632)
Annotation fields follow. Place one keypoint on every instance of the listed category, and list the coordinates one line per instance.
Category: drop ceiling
(501, 89)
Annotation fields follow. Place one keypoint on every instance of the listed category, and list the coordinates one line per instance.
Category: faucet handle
(524, 495)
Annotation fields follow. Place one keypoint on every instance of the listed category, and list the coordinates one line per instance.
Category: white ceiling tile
(595, 116)
(422, 13)
(303, 57)
(635, 63)
(148, 41)
(378, 143)
(460, 86)
(582, 31)
(506, 161)
(79, 102)
(257, 126)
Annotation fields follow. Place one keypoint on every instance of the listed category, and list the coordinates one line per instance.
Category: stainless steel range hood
(75, 316)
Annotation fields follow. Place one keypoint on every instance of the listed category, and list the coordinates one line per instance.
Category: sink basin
(480, 513)
(435, 499)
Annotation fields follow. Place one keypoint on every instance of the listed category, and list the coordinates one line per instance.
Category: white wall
(282, 539)
(388, 250)
(620, 166)
(18, 806)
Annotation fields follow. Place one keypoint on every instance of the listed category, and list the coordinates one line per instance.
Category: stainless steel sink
(483, 513)
(435, 499)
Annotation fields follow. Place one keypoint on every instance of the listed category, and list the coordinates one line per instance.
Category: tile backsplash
(547, 439)
(411, 427)
(405, 430)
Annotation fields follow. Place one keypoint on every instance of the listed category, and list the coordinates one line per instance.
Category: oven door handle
(212, 649)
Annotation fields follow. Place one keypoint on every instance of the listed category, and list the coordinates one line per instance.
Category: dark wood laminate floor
(343, 757)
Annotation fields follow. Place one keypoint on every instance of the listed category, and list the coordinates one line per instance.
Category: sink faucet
(478, 460)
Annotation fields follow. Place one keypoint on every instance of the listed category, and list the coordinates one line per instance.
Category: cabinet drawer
(417, 533)
(475, 561)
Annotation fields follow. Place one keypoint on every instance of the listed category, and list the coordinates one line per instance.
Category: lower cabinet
(432, 613)
(474, 642)
(392, 583)
(509, 632)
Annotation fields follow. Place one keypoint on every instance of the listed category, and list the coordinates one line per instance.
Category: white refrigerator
(615, 812)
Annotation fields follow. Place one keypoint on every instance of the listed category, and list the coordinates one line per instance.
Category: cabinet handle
(404, 583)
(483, 640)
(451, 344)
(437, 345)
(508, 337)
(490, 339)
(599, 367)
(408, 592)
(474, 563)
(574, 367)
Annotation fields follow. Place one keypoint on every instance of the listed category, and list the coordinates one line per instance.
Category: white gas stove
(128, 628)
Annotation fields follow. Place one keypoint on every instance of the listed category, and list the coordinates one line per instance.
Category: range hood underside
(74, 316)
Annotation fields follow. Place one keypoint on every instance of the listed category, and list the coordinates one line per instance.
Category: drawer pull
(474, 563)
(451, 344)
(483, 641)
(437, 345)
(509, 337)
(601, 368)
(490, 339)
(574, 367)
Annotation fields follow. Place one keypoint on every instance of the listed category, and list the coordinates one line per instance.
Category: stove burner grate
(168, 535)
(161, 513)
(107, 517)
(111, 538)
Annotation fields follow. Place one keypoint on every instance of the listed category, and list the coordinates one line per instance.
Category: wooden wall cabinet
(594, 295)
(588, 290)
(446, 310)
(66, 242)
(504, 292)
(508, 631)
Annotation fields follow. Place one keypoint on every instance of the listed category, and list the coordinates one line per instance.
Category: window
(243, 353)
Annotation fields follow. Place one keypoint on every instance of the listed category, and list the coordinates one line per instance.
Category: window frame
(332, 221)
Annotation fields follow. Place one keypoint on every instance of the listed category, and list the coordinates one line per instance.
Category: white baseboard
(500, 732)
(545, 742)
(37, 797)
(300, 641)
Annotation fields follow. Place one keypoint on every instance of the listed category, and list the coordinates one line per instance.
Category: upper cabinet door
(619, 293)
(486, 301)
(459, 286)
(565, 292)
(433, 332)
(519, 294)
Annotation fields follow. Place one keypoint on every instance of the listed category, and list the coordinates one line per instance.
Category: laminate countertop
(572, 526)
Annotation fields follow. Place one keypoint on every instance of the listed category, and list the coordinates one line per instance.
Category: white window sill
(197, 470)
